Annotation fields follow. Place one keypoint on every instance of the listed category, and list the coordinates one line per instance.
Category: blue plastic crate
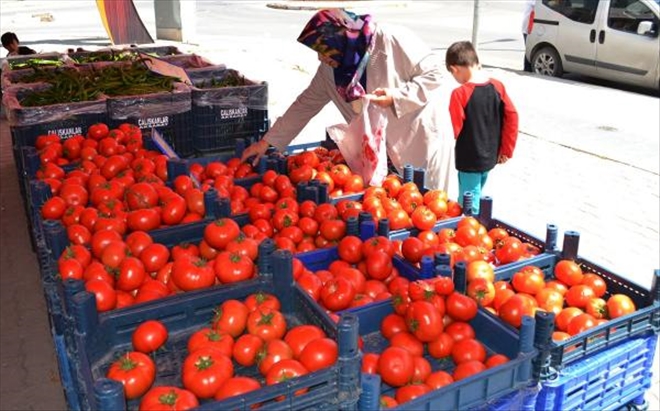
(471, 392)
(168, 112)
(645, 319)
(521, 400)
(101, 338)
(608, 380)
(223, 115)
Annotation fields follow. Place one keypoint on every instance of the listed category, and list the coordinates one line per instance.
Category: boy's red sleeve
(457, 110)
(509, 122)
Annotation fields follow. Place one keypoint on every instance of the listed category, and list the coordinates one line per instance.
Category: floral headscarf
(345, 38)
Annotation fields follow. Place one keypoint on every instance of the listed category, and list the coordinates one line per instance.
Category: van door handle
(601, 37)
(592, 36)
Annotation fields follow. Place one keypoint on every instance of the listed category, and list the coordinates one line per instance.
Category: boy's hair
(7, 38)
(461, 53)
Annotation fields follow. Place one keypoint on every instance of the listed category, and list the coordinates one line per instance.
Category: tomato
(596, 283)
(77, 252)
(442, 346)
(579, 295)
(422, 370)
(387, 402)
(168, 398)
(208, 337)
(191, 273)
(149, 336)
(565, 316)
(379, 265)
(137, 241)
(267, 324)
(410, 392)
(528, 280)
(261, 300)
(233, 267)
(53, 208)
(154, 257)
(106, 297)
(468, 349)
(136, 371)
(580, 323)
(396, 366)
(550, 300)
(444, 286)
(408, 342)
(508, 250)
(70, 269)
(182, 249)
(205, 370)
(412, 249)
(424, 321)
(145, 219)
(311, 284)
(467, 369)
(283, 371)
(482, 291)
(370, 363)
(619, 305)
(271, 353)
(350, 249)
(495, 360)
(355, 276)
(423, 218)
(131, 274)
(439, 379)
(245, 246)
(237, 386)
(459, 330)
(231, 317)
(392, 324)
(246, 348)
(337, 294)
(98, 131)
(318, 354)
(568, 272)
(461, 307)
(220, 232)
(332, 230)
(519, 305)
(299, 336)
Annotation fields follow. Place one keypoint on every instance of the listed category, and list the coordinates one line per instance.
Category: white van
(610, 39)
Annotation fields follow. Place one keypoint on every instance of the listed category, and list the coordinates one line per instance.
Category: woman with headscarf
(394, 69)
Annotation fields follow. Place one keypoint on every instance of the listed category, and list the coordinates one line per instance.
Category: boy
(10, 42)
(484, 119)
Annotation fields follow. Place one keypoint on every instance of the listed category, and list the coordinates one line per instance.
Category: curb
(319, 5)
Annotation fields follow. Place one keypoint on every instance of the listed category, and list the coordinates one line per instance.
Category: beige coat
(419, 129)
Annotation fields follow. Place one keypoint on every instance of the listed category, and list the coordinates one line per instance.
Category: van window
(625, 15)
(582, 11)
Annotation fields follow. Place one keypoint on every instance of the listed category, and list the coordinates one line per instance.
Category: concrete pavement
(587, 160)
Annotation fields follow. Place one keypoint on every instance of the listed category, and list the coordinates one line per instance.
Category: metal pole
(475, 23)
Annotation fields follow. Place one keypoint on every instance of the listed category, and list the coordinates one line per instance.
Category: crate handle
(370, 396)
(551, 238)
(569, 250)
(109, 395)
(408, 173)
(442, 259)
(56, 238)
(443, 270)
(426, 267)
(367, 228)
(384, 227)
(486, 210)
(283, 279)
(460, 278)
(467, 203)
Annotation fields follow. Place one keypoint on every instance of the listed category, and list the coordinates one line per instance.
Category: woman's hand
(382, 97)
(257, 149)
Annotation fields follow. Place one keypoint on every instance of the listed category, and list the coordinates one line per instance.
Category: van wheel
(546, 62)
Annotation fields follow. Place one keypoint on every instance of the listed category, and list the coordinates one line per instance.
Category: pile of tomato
(431, 320)
(122, 271)
(469, 241)
(247, 344)
(577, 299)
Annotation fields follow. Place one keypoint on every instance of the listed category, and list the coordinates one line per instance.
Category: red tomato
(168, 398)
(596, 283)
(424, 321)
(442, 346)
(149, 336)
(237, 386)
(510, 249)
(220, 232)
(285, 370)
(495, 360)
(350, 249)
(136, 371)
(516, 307)
(337, 294)
(191, 273)
(579, 296)
(392, 324)
(568, 272)
(619, 305)
(106, 297)
(271, 353)
(467, 369)
(461, 307)
(410, 392)
(261, 300)
(208, 337)
(370, 363)
(459, 330)
(246, 349)
(439, 379)
(299, 336)
(154, 257)
(233, 267)
(267, 324)
(231, 317)
(205, 370)
(318, 354)
(468, 349)
(396, 366)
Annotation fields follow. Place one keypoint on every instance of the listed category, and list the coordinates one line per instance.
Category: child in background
(485, 121)
(10, 42)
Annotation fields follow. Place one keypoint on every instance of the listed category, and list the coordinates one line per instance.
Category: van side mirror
(646, 28)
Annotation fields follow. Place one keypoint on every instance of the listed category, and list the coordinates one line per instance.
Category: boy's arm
(457, 110)
(509, 123)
